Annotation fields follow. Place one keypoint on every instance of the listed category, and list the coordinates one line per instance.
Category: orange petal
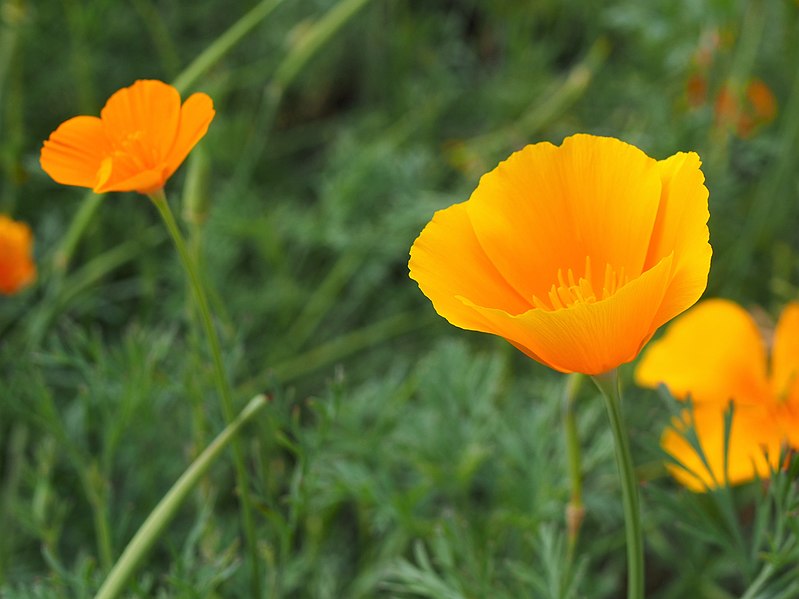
(681, 229)
(122, 173)
(713, 353)
(547, 208)
(751, 437)
(785, 357)
(142, 120)
(195, 117)
(590, 338)
(17, 268)
(73, 153)
(447, 261)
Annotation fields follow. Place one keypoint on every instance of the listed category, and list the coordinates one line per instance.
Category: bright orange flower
(716, 354)
(575, 254)
(17, 268)
(141, 138)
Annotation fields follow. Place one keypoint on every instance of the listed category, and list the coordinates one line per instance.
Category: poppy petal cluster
(17, 269)
(142, 136)
(716, 354)
(575, 253)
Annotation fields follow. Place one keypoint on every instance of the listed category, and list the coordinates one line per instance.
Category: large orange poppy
(17, 268)
(141, 138)
(575, 254)
(716, 354)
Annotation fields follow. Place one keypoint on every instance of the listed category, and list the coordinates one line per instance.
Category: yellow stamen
(571, 290)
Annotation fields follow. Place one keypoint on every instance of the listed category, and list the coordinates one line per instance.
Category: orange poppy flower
(758, 108)
(141, 138)
(716, 354)
(17, 268)
(575, 254)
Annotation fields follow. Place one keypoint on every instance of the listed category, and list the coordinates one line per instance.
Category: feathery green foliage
(398, 457)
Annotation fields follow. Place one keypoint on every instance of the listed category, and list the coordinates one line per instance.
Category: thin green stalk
(91, 479)
(14, 464)
(337, 349)
(758, 583)
(68, 290)
(159, 34)
(77, 227)
(314, 38)
(194, 211)
(98, 498)
(223, 387)
(752, 28)
(160, 517)
(222, 45)
(773, 185)
(608, 384)
(559, 96)
(324, 297)
(303, 49)
(81, 54)
(575, 509)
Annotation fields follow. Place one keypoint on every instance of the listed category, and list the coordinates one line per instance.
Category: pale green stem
(303, 48)
(160, 517)
(575, 509)
(98, 497)
(758, 583)
(314, 38)
(77, 227)
(608, 384)
(223, 387)
(222, 45)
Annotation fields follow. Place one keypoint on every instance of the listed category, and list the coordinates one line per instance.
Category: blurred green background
(399, 457)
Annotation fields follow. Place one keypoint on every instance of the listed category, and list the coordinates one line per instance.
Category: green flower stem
(608, 384)
(302, 48)
(162, 514)
(223, 44)
(77, 227)
(575, 509)
(223, 387)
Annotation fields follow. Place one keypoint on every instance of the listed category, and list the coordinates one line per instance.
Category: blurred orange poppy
(575, 254)
(141, 138)
(696, 90)
(757, 108)
(716, 354)
(17, 268)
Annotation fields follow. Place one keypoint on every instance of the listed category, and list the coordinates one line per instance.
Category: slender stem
(608, 384)
(223, 387)
(758, 583)
(222, 45)
(302, 49)
(77, 227)
(575, 509)
(98, 497)
(162, 514)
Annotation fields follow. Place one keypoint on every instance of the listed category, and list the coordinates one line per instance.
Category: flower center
(134, 150)
(571, 290)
